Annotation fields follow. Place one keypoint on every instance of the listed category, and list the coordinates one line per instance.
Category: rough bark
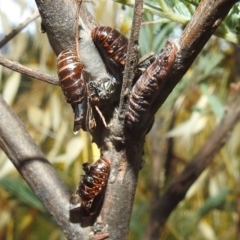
(124, 154)
(117, 144)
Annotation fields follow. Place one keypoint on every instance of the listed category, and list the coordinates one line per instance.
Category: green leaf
(22, 192)
(215, 202)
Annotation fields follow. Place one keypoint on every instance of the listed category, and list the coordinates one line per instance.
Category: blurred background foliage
(195, 107)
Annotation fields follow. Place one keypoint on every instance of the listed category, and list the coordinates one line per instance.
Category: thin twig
(125, 160)
(101, 116)
(155, 10)
(132, 55)
(18, 29)
(28, 71)
(79, 2)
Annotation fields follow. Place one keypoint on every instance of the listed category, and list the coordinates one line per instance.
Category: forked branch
(125, 153)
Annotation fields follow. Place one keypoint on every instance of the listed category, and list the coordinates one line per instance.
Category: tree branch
(36, 170)
(200, 28)
(125, 159)
(124, 151)
(28, 71)
(132, 56)
(205, 156)
(18, 29)
(58, 19)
